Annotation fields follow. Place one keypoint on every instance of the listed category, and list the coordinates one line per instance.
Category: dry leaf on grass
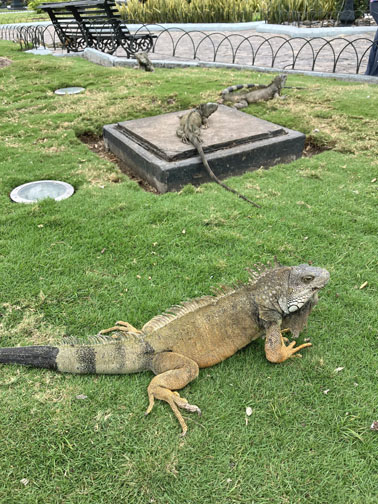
(81, 396)
(374, 425)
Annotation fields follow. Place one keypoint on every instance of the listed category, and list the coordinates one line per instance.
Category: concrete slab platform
(234, 143)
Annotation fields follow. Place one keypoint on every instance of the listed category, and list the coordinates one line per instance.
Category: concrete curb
(99, 58)
(294, 31)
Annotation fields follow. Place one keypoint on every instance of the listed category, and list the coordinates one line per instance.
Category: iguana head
(303, 283)
(206, 109)
(282, 290)
(280, 80)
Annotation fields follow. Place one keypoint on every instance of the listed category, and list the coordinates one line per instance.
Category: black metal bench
(97, 24)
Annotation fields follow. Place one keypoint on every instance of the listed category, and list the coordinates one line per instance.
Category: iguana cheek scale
(196, 334)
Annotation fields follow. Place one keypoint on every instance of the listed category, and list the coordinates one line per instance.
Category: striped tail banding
(237, 87)
(36, 356)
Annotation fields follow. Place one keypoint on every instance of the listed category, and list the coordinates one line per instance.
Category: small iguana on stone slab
(190, 132)
(144, 61)
(196, 334)
(259, 92)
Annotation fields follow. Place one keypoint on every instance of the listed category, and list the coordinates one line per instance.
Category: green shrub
(229, 11)
(279, 11)
(196, 11)
(33, 4)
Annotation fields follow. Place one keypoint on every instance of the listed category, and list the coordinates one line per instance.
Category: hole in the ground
(312, 147)
(96, 144)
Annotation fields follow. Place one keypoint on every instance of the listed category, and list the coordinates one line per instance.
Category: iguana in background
(144, 61)
(259, 92)
(193, 335)
(190, 132)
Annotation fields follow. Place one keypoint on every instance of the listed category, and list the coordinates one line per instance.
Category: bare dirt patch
(312, 148)
(96, 144)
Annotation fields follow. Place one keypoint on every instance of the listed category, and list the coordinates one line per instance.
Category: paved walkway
(343, 54)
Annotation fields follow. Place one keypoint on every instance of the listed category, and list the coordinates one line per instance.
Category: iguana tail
(127, 354)
(232, 89)
(197, 144)
(36, 356)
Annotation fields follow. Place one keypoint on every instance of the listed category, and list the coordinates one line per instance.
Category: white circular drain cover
(32, 192)
(69, 90)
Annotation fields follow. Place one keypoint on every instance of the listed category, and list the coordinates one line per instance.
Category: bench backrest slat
(93, 21)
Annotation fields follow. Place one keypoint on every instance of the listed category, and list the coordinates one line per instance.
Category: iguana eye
(308, 278)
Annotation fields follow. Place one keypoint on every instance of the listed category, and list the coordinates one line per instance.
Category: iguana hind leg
(173, 371)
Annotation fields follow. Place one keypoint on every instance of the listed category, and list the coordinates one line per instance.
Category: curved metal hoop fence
(339, 54)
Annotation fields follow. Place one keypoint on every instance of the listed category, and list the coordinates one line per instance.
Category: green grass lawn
(29, 16)
(113, 251)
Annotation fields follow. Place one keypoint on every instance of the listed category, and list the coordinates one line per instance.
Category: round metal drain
(31, 192)
(69, 90)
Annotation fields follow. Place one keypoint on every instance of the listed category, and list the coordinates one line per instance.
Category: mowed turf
(113, 251)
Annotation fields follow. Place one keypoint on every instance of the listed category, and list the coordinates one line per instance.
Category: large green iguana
(242, 99)
(196, 334)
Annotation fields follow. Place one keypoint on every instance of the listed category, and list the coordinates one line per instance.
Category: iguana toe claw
(183, 404)
(289, 349)
(292, 352)
(190, 407)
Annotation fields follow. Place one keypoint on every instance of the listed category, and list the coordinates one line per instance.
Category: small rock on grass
(374, 425)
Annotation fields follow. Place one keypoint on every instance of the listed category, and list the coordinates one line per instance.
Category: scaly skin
(197, 334)
(260, 93)
(144, 61)
(190, 132)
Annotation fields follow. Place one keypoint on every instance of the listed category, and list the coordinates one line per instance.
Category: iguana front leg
(241, 104)
(276, 349)
(121, 326)
(173, 371)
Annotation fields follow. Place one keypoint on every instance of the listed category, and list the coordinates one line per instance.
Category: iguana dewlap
(194, 335)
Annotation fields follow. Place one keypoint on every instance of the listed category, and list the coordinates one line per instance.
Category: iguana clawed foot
(173, 371)
(284, 339)
(277, 347)
(121, 326)
(289, 349)
(175, 401)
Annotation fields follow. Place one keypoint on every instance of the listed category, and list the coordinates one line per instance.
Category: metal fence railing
(339, 54)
